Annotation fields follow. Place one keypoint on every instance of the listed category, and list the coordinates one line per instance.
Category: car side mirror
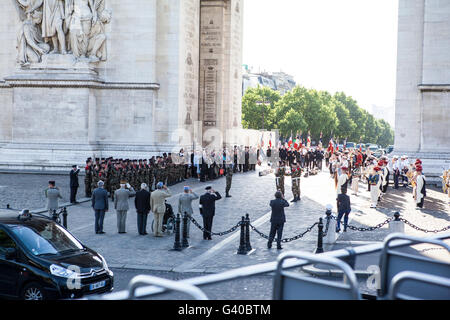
(10, 254)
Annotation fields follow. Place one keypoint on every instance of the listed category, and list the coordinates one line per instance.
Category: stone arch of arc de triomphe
(422, 128)
(143, 77)
(117, 78)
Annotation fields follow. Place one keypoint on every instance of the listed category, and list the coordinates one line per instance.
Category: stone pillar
(409, 75)
(422, 128)
(220, 69)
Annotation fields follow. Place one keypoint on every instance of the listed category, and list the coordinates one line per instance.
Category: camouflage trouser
(280, 184)
(229, 180)
(151, 178)
(296, 187)
(87, 187)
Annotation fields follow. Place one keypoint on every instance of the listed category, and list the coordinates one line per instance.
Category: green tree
(357, 115)
(258, 104)
(386, 137)
(292, 122)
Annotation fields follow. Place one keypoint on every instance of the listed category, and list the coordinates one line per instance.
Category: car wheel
(33, 291)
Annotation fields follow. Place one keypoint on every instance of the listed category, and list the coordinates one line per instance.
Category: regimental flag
(270, 141)
(331, 146)
(337, 144)
(296, 142)
(345, 143)
(309, 140)
(262, 140)
(360, 145)
(290, 141)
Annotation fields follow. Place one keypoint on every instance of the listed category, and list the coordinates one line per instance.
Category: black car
(40, 260)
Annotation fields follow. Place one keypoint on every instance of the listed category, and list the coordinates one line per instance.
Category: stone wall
(423, 84)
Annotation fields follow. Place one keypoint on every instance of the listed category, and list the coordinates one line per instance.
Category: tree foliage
(317, 112)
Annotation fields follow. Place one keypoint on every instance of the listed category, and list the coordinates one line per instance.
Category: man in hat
(420, 190)
(53, 195)
(208, 210)
(279, 176)
(158, 206)
(405, 169)
(88, 178)
(185, 204)
(74, 183)
(342, 180)
(385, 176)
(375, 182)
(296, 173)
(396, 168)
(277, 219)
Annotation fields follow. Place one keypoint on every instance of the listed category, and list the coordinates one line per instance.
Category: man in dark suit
(207, 210)
(74, 183)
(100, 205)
(142, 204)
(277, 219)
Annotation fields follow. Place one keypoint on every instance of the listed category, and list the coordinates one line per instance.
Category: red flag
(270, 141)
(290, 141)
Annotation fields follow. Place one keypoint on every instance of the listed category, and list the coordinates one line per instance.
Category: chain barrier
(233, 229)
(287, 239)
(423, 230)
(362, 229)
(378, 226)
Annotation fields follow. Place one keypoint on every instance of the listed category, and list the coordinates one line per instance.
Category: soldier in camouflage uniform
(88, 178)
(115, 179)
(151, 175)
(279, 177)
(296, 173)
(95, 178)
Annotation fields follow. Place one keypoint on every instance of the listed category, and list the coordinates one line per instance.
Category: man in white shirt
(342, 180)
(420, 193)
(405, 169)
(396, 168)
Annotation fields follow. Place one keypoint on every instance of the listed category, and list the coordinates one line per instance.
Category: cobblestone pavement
(251, 194)
(27, 190)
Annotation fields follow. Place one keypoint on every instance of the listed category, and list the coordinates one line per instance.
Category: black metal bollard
(65, 217)
(397, 216)
(7, 206)
(248, 246)
(242, 247)
(177, 244)
(185, 243)
(320, 237)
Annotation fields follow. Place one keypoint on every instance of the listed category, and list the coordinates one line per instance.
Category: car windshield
(46, 238)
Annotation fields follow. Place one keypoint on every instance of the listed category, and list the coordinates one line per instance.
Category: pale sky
(333, 45)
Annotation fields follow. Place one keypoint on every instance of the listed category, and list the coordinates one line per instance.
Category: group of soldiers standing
(112, 171)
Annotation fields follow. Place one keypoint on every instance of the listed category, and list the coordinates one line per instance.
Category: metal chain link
(233, 229)
(287, 239)
(423, 230)
(370, 228)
